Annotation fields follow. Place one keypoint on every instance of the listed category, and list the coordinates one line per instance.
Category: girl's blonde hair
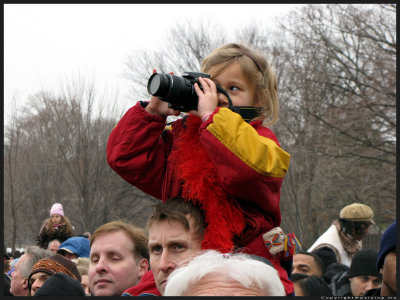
(256, 69)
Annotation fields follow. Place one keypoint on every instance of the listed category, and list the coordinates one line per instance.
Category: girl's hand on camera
(208, 97)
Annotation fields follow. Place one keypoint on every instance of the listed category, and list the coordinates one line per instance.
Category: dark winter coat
(58, 234)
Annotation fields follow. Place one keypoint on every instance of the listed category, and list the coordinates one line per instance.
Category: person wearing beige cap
(345, 234)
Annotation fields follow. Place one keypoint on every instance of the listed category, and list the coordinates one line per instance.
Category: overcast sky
(47, 45)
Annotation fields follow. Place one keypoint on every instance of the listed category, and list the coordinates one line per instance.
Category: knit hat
(388, 243)
(60, 284)
(57, 209)
(55, 264)
(357, 212)
(364, 263)
(76, 245)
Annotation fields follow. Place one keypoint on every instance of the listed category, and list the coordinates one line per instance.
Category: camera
(178, 91)
(180, 94)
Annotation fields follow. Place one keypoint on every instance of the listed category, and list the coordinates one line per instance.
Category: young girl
(231, 168)
(57, 227)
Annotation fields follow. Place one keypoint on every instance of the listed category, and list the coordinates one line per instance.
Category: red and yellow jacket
(232, 169)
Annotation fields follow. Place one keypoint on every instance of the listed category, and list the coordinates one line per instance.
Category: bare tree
(338, 109)
(187, 47)
(58, 154)
(12, 167)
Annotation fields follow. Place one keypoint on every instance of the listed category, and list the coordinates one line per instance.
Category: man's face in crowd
(389, 273)
(53, 247)
(37, 281)
(170, 244)
(359, 236)
(70, 256)
(306, 264)
(113, 267)
(85, 284)
(361, 284)
(19, 283)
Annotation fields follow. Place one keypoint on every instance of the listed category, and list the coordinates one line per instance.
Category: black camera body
(178, 91)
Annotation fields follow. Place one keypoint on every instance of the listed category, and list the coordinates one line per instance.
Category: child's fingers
(197, 88)
(207, 84)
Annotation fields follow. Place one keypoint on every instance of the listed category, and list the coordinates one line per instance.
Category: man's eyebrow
(168, 243)
(303, 265)
(177, 242)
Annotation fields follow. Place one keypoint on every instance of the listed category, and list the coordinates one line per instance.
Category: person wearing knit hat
(361, 276)
(57, 209)
(386, 264)
(46, 267)
(57, 226)
(345, 234)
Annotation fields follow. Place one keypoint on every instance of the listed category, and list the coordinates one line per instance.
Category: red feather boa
(200, 185)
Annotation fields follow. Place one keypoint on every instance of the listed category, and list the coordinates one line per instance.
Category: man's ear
(143, 267)
(25, 283)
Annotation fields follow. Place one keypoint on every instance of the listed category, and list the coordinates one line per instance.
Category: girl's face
(235, 83)
(56, 219)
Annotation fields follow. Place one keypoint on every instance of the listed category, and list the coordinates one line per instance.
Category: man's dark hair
(317, 259)
(326, 254)
(178, 209)
(311, 285)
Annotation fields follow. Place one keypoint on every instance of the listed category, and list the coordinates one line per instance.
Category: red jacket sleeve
(138, 148)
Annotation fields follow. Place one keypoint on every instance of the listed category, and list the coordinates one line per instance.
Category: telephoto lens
(159, 84)
(178, 91)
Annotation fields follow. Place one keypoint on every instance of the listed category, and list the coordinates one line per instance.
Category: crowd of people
(218, 172)
(166, 259)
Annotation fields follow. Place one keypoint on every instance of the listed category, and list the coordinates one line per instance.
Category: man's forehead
(303, 257)
(113, 244)
(22, 259)
(39, 274)
(111, 236)
(170, 226)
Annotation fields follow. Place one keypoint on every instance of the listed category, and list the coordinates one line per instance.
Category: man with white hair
(19, 280)
(216, 274)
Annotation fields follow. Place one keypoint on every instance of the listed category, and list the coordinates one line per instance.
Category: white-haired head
(238, 267)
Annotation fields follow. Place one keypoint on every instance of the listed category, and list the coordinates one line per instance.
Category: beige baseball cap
(357, 212)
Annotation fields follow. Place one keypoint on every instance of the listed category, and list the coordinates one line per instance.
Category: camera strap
(248, 113)
(222, 91)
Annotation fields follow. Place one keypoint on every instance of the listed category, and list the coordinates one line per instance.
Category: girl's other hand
(208, 97)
